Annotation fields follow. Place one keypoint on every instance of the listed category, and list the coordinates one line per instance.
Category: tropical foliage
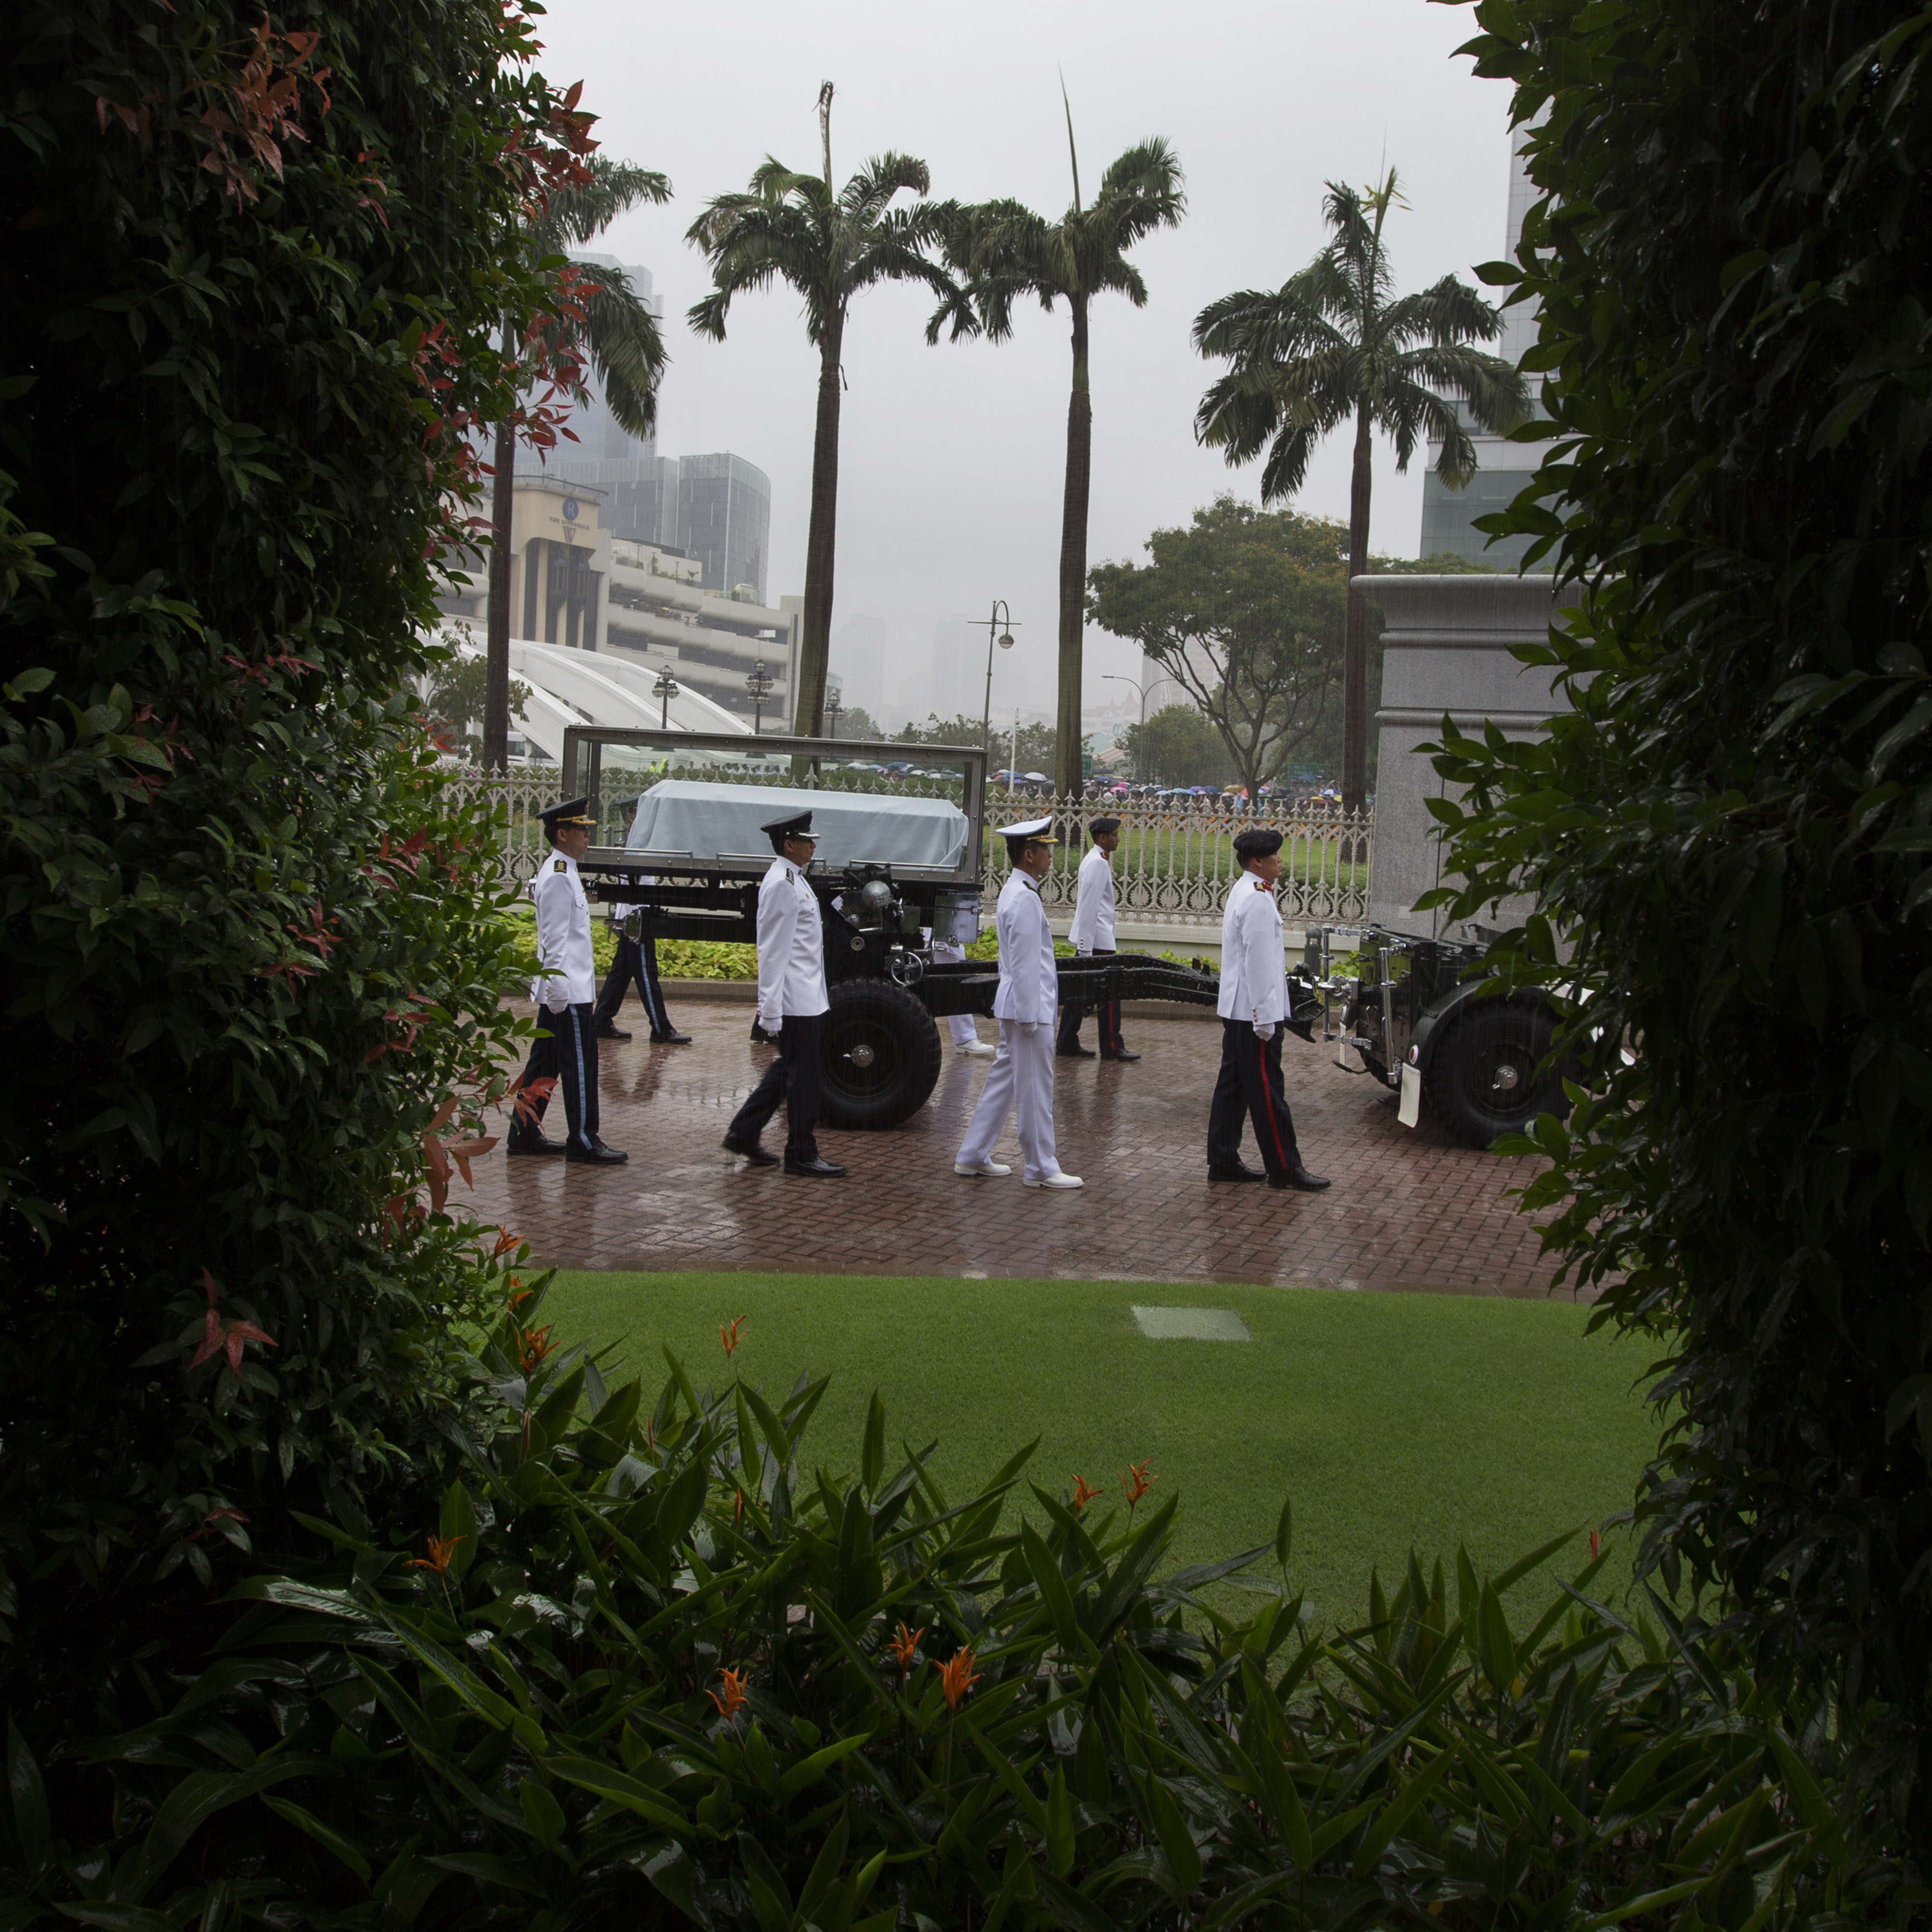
(1333, 345)
(828, 244)
(252, 961)
(1729, 835)
(1004, 254)
(655, 1663)
(596, 323)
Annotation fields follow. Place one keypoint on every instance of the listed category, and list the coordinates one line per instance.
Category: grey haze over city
(952, 456)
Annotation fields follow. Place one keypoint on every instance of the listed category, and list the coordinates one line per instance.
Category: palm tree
(608, 325)
(828, 246)
(1004, 252)
(1332, 343)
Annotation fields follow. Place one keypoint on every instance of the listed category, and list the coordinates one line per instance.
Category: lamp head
(1007, 641)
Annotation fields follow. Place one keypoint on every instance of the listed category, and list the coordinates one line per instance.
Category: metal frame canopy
(584, 772)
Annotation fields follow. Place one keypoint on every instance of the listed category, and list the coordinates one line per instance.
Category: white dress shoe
(1067, 1181)
(977, 1049)
(969, 1169)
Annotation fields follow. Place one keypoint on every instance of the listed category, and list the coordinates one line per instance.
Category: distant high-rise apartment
(858, 658)
(1502, 467)
(716, 508)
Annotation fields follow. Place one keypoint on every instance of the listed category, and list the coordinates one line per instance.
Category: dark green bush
(252, 270)
(659, 1666)
(1733, 830)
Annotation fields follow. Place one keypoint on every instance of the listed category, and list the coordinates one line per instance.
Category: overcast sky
(952, 458)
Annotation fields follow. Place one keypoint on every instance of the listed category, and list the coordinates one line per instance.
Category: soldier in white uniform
(636, 964)
(1252, 1006)
(565, 985)
(1092, 935)
(965, 1034)
(1020, 1080)
(792, 1004)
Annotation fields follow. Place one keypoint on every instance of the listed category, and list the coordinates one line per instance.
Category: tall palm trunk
(1355, 646)
(821, 543)
(496, 634)
(1067, 774)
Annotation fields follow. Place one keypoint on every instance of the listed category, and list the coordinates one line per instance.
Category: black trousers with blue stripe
(566, 1050)
(637, 962)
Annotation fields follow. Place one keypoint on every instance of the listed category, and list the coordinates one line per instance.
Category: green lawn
(1395, 1421)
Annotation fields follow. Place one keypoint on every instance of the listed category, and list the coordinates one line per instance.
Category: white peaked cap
(1032, 829)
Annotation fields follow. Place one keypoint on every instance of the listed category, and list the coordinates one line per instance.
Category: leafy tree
(1036, 741)
(828, 245)
(596, 318)
(247, 307)
(1178, 746)
(1005, 253)
(1244, 610)
(1334, 344)
(1731, 834)
(856, 721)
(458, 691)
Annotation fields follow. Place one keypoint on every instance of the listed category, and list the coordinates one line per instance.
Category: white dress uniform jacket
(791, 948)
(1254, 975)
(567, 973)
(1092, 928)
(1029, 985)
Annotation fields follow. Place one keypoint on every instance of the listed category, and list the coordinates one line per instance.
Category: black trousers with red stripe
(1249, 1082)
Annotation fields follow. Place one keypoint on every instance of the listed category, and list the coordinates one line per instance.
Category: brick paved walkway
(1409, 1210)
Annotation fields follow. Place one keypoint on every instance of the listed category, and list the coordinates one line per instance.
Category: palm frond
(884, 175)
(621, 336)
(574, 215)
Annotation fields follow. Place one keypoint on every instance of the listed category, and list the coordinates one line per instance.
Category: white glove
(770, 1022)
(1264, 1029)
(1083, 952)
(1029, 1026)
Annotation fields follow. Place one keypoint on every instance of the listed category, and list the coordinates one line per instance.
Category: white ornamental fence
(1174, 864)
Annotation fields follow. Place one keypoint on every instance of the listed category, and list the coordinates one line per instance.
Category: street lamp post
(1000, 629)
(666, 688)
(759, 684)
(832, 708)
(1111, 677)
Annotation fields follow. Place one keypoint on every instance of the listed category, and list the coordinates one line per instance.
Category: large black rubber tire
(880, 1056)
(1483, 1080)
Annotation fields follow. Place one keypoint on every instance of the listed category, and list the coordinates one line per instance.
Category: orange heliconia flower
(1137, 1481)
(956, 1677)
(1083, 1494)
(729, 1336)
(532, 1346)
(905, 1644)
(733, 1698)
(441, 1549)
(506, 1243)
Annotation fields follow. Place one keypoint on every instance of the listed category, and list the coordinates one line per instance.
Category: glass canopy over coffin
(689, 819)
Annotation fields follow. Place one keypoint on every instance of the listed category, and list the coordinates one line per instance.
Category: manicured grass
(1396, 1421)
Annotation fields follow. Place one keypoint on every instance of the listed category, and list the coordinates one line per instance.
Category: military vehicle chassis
(1413, 1011)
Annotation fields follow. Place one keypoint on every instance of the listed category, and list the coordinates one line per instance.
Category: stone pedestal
(1446, 648)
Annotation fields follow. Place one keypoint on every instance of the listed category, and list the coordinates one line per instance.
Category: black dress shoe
(1121, 1053)
(1074, 1053)
(1233, 1170)
(532, 1140)
(596, 1155)
(817, 1167)
(671, 1039)
(1300, 1179)
(748, 1151)
(610, 1031)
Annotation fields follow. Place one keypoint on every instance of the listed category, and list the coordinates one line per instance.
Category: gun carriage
(1412, 1010)
(892, 870)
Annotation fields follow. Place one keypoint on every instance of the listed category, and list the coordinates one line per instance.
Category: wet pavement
(1409, 1210)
